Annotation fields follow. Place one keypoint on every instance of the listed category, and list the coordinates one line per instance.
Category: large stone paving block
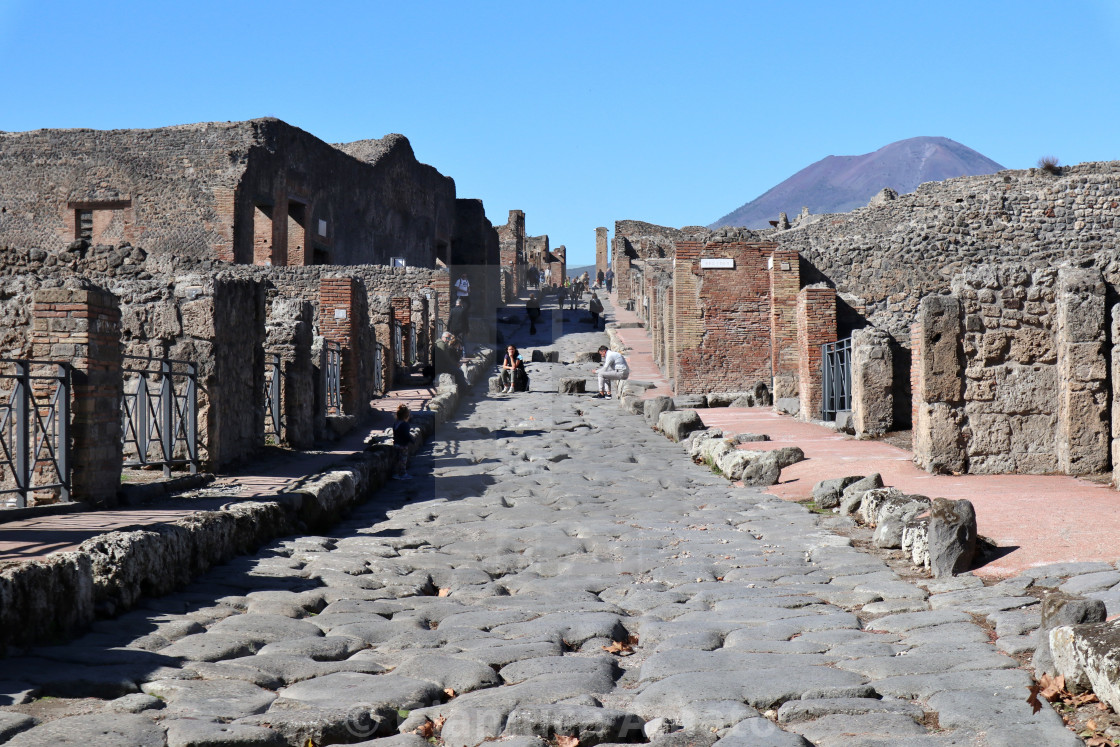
(374, 690)
(100, 729)
(590, 725)
(195, 732)
(760, 688)
(221, 699)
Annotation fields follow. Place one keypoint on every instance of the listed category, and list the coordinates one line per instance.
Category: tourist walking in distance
(463, 291)
(614, 368)
(608, 278)
(533, 310)
(599, 279)
(402, 438)
(595, 307)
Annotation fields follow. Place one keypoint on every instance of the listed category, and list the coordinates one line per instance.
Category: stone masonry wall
(894, 253)
(259, 191)
(1012, 374)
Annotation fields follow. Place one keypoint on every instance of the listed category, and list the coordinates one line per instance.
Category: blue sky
(583, 113)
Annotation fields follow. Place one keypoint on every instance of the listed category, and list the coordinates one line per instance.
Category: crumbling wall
(259, 191)
(893, 253)
(1011, 373)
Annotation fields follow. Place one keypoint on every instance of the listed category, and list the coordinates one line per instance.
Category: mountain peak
(837, 184)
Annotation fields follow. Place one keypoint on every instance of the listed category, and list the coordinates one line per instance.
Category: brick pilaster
(83, 328)
(338, 312)
(785, 283)
(816, 326)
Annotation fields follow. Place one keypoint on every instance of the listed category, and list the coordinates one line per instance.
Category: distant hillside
(575, 272)
(837, 184)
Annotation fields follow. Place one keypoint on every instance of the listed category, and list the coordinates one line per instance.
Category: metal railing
(334, 378)
(35, 430)
(412, 353)
(378, 379)
(836, 377)
(273, 416)
(398, 343)
(159, 413)
(440, 327)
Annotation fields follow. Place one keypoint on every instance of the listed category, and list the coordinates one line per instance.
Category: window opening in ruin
(85, 225)
(297, 235)
(320, 256)
(262, 234)
(443, 253)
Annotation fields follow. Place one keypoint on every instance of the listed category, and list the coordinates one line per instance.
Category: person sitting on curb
(513, 376)
(614, 368)
(446, 359)
(402, 438)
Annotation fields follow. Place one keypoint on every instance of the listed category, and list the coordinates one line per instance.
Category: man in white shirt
(614, 368)
(463, 290)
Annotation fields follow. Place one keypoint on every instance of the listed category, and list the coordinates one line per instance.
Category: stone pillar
(339, 322)
(785, 283)
(83, 328)
(602, 257)
(289, 334)
(1083, 426)
(816, 326)
(936, 381)
(872, 382)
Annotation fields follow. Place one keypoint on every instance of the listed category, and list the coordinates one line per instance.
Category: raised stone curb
(52, 597)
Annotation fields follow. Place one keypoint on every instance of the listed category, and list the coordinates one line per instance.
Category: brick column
(83, 328)
(338, 322)
(816, 326)
(937, 386)
(785, 283)
(602, 259)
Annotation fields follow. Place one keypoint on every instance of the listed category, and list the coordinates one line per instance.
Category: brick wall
(785, 284)
(195, 191)
(816, 326)
(83, 327)
(723, 341)
(339, 321)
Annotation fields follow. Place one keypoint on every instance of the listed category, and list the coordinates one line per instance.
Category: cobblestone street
(557, 569)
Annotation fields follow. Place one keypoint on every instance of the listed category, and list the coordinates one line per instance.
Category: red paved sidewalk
(31, 538)
(1039, 518)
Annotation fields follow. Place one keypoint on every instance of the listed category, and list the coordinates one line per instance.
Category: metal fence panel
(398, 344)
(273, 416)
(334, 378)
(159, 413)
(836, 375)
(35, 429)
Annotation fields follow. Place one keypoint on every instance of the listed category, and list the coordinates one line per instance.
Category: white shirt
(463, 287)
(615, 362)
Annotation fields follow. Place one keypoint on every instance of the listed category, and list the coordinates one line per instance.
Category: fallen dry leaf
(1052, 687)
(426, 730)
(444, 592)
(622, 648)
(439, 723)
(1032, 699)
(449, 692)
(562, 741)
(1091, 724)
